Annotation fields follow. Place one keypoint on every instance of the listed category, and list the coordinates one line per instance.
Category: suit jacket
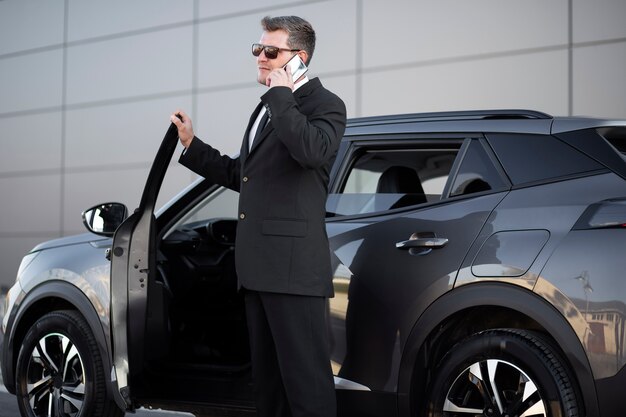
(282, 244)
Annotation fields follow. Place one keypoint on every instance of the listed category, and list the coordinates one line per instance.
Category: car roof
(479, 121)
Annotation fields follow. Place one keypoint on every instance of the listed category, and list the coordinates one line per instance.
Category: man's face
(276, 38)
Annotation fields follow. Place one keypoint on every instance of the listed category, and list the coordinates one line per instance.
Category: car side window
(476, 173)
(387, 179)
(530, 158)
(222, 203)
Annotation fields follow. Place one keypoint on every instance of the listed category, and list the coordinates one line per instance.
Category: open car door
(133, 262)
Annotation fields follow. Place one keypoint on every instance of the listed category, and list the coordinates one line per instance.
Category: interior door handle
(422, 243)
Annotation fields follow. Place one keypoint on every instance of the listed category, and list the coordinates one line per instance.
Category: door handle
(422, 243)
(426, 242)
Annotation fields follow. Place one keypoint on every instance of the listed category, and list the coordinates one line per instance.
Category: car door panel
(133, 264)
(379, 300)
(400, 244)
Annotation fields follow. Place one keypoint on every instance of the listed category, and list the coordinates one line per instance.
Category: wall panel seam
(330, 74)
(63, 119)
(158, 28)
(45, 234)
(131, 166)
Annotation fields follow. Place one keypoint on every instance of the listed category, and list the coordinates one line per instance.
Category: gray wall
(86, 88)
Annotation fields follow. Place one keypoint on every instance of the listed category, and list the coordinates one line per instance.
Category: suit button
(245, 179)
(242, 216)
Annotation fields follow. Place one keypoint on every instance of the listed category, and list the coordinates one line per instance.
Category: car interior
(196, 324)
(206, 312)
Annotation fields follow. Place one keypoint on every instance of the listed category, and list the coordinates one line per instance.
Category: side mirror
(104, 219)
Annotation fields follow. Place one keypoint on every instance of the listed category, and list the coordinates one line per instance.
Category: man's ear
(304, 56)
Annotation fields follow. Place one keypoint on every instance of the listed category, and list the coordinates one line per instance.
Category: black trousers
(290, 355)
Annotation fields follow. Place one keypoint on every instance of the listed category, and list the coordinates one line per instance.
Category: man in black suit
(282, 254)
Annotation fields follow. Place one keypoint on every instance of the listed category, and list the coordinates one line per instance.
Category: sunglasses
(271, 52)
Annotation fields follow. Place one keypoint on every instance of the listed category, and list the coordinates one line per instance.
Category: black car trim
(335, 169)
(502, 295)
(600, 150)
(518, 125)
(158, 169)
(511, 150)
(400, 137)
(48, 290)
(560, 179)
(445, 194)
(565, 124)
(346, 165)
(496, 162)
(611, 393)
(452, 116)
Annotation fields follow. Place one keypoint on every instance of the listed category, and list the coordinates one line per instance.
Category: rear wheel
(502, 372)
(59, 370)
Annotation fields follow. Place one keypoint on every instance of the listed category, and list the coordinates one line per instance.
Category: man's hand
(185, 128)
(280, 78)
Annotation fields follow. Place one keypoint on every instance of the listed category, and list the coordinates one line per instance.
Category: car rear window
(616, 136)
(476, 173)
(532, 158)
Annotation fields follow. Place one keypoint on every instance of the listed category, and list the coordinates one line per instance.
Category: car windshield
(222, 203)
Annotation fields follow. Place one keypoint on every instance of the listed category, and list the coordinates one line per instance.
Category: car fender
(502, 295)
(72, 296)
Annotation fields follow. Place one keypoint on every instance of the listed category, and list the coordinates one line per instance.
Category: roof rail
(454, 115)
(515, 114)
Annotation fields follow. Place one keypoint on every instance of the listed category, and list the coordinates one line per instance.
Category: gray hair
(301, 33)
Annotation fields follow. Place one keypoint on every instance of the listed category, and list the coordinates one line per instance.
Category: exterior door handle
(422, 243)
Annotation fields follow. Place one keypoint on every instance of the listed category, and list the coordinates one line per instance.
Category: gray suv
(479, 269)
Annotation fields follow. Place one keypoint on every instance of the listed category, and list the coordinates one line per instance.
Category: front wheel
(60, 372)
(502, 372)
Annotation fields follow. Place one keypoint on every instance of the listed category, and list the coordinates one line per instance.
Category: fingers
(185, 129)
(274, 78)
(179, 118)
(279, 77)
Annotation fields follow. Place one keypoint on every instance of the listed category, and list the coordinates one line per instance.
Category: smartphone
(298, 68)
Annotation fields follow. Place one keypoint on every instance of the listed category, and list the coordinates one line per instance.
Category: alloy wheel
(494, 388)
(55, 377)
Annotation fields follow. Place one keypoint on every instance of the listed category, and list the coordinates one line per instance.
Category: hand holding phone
(297, 67)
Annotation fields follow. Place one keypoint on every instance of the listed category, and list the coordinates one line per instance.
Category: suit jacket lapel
(245, 148)
(264, 133)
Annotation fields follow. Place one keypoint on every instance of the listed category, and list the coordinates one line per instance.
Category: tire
(60, 372)
(503, 372)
